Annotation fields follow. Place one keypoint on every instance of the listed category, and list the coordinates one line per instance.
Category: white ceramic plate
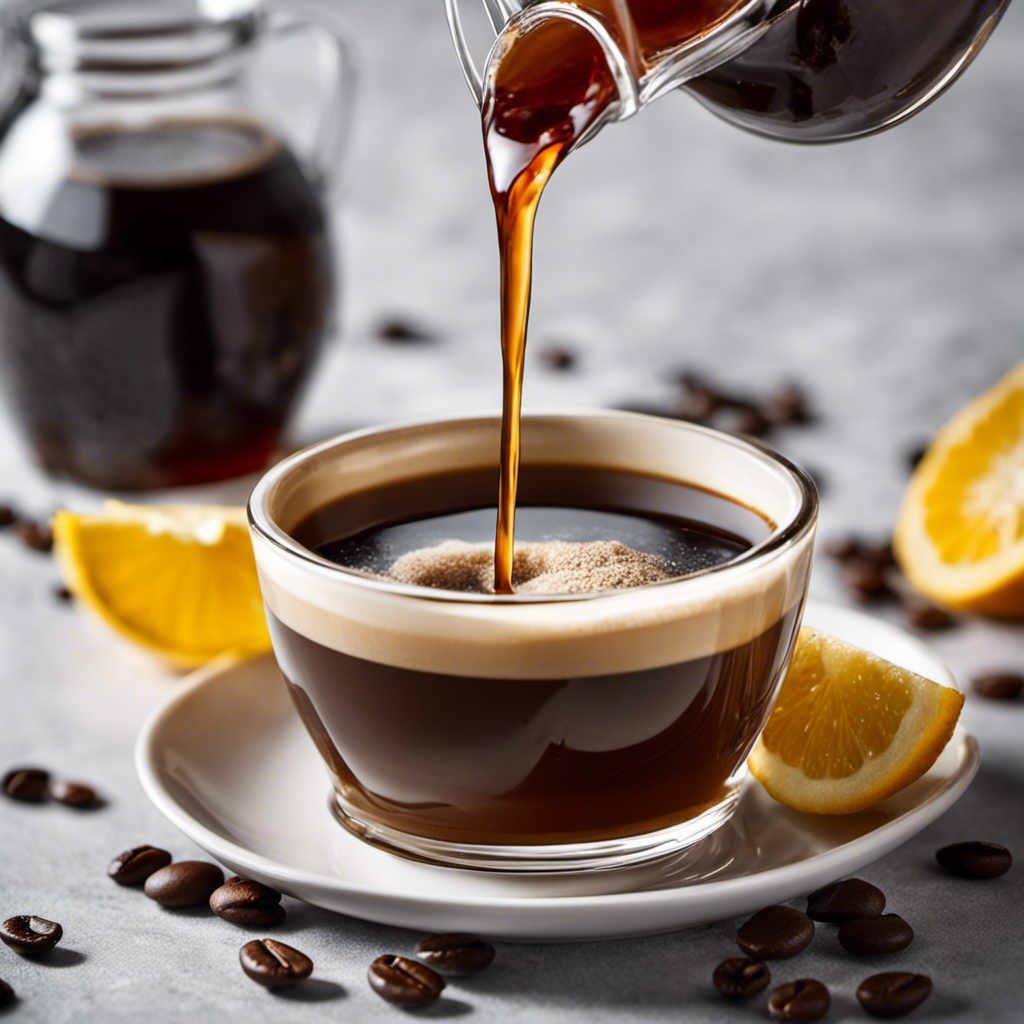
(226, 759)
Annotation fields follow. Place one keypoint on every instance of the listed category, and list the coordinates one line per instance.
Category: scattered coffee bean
(845, 900)
(74, 794)
(272, 964)
(187, 883)
(740, 978)
(874, 936)
(788, 405)
(802, 1000)
(865, 581)
(402, 331)
(29, 785)
(455, 953)
(136, 865)
(749, 422)
(894, 993)
(7, 995)
(557, 357)
(30, 935)
(243, 901)
(8, 517)
(775, 932)
(923, 615)
(975, 859)
(842, 548)
(63, 594)
(915, 455)
(999, 685)
(37, 536)
(403, 981)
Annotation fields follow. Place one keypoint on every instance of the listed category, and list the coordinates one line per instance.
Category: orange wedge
(177, 580)
(960, 534)
(849, 729)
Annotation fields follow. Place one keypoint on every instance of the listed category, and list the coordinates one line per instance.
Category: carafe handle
(337, 80)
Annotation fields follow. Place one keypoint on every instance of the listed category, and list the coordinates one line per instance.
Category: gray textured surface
(888, 274)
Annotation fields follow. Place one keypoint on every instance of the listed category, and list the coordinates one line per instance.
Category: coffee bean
(802, 1000)
(243, 901)
(842, 548)
(926, 616)
(403, 331)
(8, 517)
(775, 932)
(557, 357)
(37, 536)
(864, 580)
(999, 685)
(73, 794)
(894, 993)
(188, 883)
(29, 935)
(7, 995)
(786, 406)
(975, 860)
(915, 455)
(29, 785)
(272, 964)
(136, 865)
(740, 978)
(455, 953)
(403, 981)
(63, 594)
(749, 422)
(874, 936)
(845, 900)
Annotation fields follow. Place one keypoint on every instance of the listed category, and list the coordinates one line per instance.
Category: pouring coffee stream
(809, 71)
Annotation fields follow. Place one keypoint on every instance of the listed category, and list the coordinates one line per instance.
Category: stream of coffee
(552, 85)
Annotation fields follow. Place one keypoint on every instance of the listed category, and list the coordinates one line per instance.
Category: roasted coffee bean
(557, 357)
(865, 581)
(272, 964)
(787, 405)
(7, 995)
(402, 331)
(63, 594)
(73, 794)
(999, 685)
(187, 883)
(925, 616)
(404, 982)
(894, 993)
(8, 517)
(455, 953)
(842, 548)
(775, 932)
(915, 455)
(749, 422)
(29, 785)
(29, 935)
(37, 536)
(740, 978)
(975, 860)
(845, 900)
(136, 865)
(802, 1000)
(243, 901)
(873, 936)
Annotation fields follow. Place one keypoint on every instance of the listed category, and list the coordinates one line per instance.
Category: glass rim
(781, 537)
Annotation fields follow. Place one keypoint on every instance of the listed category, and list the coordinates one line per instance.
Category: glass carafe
(795, 70)
(166, 268)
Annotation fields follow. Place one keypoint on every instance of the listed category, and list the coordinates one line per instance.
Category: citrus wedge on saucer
(179, 580)
(849, 729)
(960, 534)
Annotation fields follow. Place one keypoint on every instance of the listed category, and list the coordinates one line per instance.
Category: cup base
(602, 855)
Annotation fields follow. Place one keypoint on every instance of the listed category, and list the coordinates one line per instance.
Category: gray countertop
(888, 275)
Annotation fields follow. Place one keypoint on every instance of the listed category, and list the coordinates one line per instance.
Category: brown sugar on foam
(543, 567)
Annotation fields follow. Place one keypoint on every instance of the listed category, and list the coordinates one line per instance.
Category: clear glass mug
(793, 70)
(521, 732)
(167, 273)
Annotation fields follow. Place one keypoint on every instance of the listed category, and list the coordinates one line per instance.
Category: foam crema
(531, 636)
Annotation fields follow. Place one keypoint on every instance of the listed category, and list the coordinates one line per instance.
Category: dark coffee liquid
(567, 503)
(533, 761)
(161, 309)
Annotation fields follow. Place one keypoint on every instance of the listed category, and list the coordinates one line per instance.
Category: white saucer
(226, 759)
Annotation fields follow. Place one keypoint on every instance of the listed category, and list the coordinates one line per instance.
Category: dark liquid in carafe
(161, 309)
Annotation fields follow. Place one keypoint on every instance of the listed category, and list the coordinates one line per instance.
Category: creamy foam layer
(524, 637)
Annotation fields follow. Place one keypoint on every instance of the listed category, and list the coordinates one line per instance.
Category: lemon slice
(960, 534)
(178, 580)
(849, 729)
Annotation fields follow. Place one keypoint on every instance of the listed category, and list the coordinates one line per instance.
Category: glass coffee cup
(535, 732)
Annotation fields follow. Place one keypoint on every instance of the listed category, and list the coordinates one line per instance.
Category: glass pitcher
(166, 267)
(795, 70)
